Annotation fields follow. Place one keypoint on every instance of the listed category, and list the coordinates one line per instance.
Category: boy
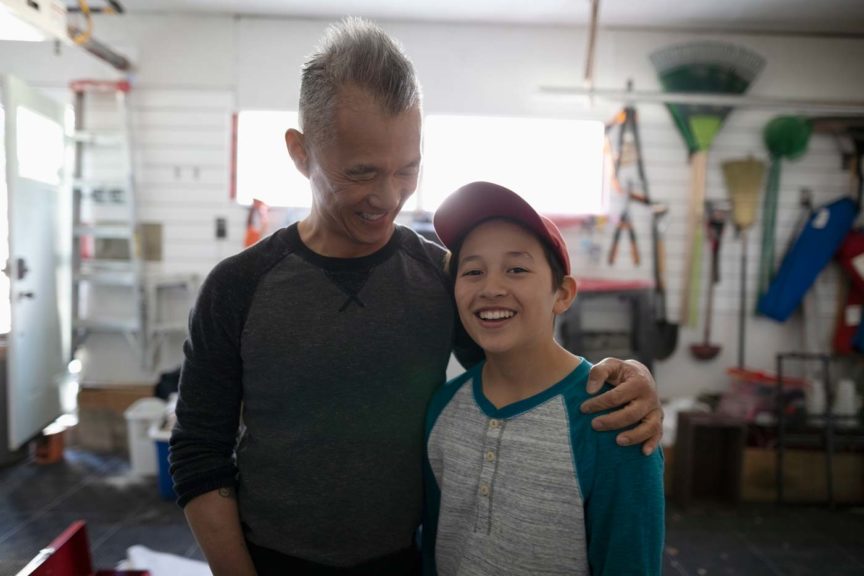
(517, 481)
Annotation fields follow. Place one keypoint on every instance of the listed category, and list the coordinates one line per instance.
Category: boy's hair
(354, 52)
(451, 263)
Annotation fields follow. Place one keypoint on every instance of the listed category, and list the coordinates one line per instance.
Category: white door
(34, 154)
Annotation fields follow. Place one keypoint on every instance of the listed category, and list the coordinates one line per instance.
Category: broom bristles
(744, 182)
(741, 61)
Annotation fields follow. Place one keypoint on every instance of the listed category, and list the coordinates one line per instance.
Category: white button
(484, 489)
(490, 456)
(493, 423)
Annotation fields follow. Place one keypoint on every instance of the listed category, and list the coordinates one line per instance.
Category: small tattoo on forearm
(226, 492)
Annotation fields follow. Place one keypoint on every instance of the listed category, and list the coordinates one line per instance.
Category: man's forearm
(215, 522)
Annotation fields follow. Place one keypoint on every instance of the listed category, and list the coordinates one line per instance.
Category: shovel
(665, 333)
(718, 213)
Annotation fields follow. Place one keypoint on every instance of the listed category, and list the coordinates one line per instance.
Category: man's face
(362, 175)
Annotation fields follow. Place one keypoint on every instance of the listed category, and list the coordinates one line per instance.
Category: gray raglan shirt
(531, 488)
(331, 363)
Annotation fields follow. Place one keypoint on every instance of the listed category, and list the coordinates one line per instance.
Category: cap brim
(478, 201)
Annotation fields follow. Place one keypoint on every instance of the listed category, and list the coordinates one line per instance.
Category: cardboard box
(101, 423)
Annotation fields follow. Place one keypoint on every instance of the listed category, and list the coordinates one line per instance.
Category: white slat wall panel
(183, 143)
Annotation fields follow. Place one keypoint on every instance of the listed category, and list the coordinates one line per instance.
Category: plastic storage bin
(140, 416)
(161, 437)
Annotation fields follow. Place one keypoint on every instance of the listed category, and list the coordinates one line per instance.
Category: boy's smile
(504, 288)
(495, 314)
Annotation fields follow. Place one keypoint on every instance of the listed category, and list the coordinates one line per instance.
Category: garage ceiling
(842, 17)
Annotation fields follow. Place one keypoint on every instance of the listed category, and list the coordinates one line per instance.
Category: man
(329, 337)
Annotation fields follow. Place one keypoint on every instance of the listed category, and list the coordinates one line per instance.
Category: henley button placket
(488, 468)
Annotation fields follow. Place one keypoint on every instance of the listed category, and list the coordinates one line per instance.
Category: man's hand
(634, 391)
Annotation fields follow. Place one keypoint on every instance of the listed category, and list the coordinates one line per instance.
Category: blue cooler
(166, 486)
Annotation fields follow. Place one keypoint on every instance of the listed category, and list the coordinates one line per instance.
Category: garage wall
(193, 72)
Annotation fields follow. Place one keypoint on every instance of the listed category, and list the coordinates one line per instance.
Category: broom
(701, 67)
(743, 180)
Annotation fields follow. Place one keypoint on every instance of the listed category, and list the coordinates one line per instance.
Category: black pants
(272, 563)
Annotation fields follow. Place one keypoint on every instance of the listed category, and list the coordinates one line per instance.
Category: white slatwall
(183, 168)
(195, 71)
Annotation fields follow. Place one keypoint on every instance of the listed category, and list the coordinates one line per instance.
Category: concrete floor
(38, 501)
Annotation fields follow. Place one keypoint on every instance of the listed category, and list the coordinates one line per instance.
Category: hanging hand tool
(629, 151)
(624, 223)
(717, 213)
(701, 66)
(744, 182)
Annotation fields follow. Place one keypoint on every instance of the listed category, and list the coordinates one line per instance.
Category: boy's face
(504, 289)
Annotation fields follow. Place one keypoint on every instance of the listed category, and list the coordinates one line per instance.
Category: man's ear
(565, 295)
(296, 144)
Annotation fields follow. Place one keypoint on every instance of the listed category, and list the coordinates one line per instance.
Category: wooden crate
(804, 479)
(101, 423)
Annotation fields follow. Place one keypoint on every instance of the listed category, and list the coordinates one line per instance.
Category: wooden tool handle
(613, 251)
(634, 248)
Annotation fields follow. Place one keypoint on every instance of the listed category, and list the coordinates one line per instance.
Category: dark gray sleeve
(467, 352)
(211, 385)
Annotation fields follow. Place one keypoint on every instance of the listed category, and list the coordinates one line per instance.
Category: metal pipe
(781, 427)
(838, 107)
(829, 429)
(592, 40)
(102, 51)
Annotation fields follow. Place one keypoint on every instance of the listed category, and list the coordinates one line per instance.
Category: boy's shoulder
(452, 386)
(576, 388)
(446, 392)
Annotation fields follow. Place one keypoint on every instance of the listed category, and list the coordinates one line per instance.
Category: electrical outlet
(221, 228)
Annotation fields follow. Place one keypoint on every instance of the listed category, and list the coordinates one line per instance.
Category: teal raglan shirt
(532, 488)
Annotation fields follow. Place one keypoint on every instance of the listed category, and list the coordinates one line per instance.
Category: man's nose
(388, 194)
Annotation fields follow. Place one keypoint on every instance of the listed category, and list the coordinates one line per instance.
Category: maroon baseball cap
(478, 201)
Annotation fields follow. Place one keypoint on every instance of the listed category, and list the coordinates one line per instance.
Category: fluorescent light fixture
(15, 29)
(33, 20)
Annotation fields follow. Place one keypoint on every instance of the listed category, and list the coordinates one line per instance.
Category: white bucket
(139, 417)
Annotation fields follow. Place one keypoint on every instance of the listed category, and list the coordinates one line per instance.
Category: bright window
(41, 147)
(557, 165)
(264, 168)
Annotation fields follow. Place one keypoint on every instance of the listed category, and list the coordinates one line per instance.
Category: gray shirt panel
(510, 498)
